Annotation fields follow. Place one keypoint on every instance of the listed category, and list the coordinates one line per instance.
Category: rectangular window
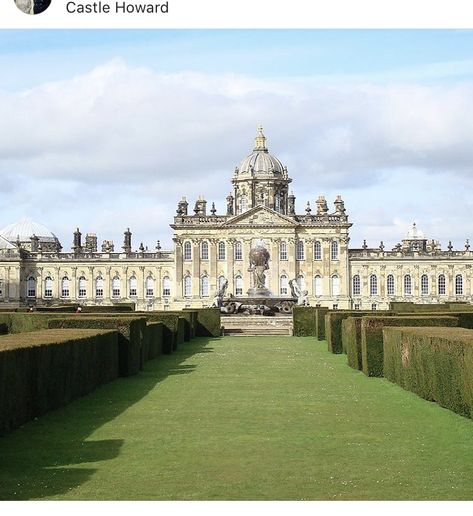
(1, 288)
(116, 292)
(132, 292)
(335, 307)
(356, 306)
(82, 292)
(99, 292)
(48, 292)
(150, 292)
(373, 306)
(65, 292)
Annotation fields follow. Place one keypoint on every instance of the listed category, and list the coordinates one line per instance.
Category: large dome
(260, 162)
(25, 229)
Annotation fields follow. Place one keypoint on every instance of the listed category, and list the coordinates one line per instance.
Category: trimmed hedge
(351, 338)
(320, 314)
(303, 320)
(333, 326)
(435, 364)
(41, 371)
(372, 336)
(131, 342)
(208, 322)
(155, 339)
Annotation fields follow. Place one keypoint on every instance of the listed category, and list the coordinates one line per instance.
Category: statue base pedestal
(260, 292)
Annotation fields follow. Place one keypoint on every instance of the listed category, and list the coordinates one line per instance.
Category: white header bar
(242, 14)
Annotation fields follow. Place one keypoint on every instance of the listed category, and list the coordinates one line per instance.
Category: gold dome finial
(260, 140)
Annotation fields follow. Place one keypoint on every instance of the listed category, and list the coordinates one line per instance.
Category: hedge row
(333, 326)
(303, 320)
(208, 322)
(132, 340)
(436, 365)
(372, 336)
(351, 338)
(44, 370)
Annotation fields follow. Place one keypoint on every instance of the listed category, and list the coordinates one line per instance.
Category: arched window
(318, 285)
(31, 287)
(300, 250)
(458, 285)
(65, 287)
(221, 251)
(187, 286)
(283, 285)
(442, 285)
(356, 285)
(283, 251)
(373, 285)
(166, 286)
(116, 287)
(317, 250)
(99, 287)
(407, 285)
(301, 282)
(133, 286)
(238, 285)
(424, 285)
(334, 250)
(82, 284)
(149, 286)
(48, 287)
(390, 285)
(335, 285)
(204, 286)
(221, 281)
(204, 251)
(238, 251)
(187, 251)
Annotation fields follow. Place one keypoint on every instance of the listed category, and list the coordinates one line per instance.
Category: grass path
(243, 419)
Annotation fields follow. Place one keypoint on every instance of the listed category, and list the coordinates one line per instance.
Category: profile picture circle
(32, 6)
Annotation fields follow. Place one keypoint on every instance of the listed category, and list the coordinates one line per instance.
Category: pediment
(260, 216)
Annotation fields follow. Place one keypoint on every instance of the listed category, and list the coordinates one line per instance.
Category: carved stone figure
(302, 295)
(219, 295)
(259, 257)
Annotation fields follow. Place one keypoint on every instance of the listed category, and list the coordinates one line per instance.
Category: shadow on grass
(49, 456)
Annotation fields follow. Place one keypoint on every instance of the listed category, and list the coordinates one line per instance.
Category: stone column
(178, 292)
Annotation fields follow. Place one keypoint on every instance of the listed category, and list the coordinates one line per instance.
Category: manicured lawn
(243, 419)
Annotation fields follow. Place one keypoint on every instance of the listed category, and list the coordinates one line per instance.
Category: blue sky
(112, 126)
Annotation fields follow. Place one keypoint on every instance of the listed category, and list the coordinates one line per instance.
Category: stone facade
(210, 248)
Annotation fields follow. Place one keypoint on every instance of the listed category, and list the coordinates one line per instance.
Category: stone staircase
(254, 325)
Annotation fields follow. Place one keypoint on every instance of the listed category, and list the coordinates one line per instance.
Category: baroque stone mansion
(210, 249)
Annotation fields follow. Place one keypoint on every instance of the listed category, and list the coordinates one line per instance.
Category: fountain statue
(219, 295)
(259, 258)
(301, 295)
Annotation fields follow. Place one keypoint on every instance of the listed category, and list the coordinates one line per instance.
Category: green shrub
(351, 338)
(333, 326)
(155, 340)
(303, 320)
(372, 336)
(320, 313)
(44, 370)
(435, 364)
(208, 322)
(131, 341)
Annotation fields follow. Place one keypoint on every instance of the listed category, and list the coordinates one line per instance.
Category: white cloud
(121, 131)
